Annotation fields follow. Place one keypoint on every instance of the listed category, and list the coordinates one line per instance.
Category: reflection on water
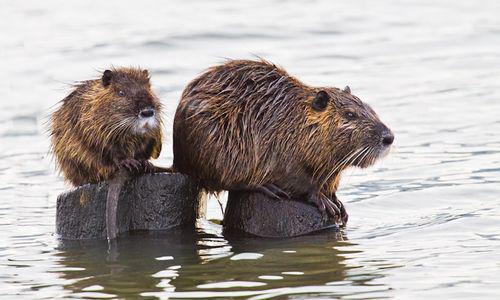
(423, 222)
(186, 265)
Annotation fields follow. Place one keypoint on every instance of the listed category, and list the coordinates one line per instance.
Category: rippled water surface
(424, 223)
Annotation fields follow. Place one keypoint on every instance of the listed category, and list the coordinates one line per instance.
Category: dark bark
(168, 201)
(150, 202)
(257, 214)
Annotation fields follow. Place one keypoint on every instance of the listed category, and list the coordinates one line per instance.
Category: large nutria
(106, 129)
(249, 125)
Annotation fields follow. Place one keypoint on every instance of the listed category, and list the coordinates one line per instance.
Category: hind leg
(148, 167)
(332, 207)
(138, 167)
(270, 190)
(132, 165)
(343, 213)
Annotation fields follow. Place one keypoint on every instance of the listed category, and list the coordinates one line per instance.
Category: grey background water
(424, 222)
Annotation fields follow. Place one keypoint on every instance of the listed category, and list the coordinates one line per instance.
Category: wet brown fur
(249, 123)
(92, 131)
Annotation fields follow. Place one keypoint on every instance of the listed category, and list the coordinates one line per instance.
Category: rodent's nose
(387, 137)
(147, 112)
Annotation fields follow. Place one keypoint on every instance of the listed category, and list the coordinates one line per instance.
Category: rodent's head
(351, 129)
(128, 97)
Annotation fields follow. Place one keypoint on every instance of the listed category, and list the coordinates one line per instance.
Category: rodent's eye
(121, 93)
(350, 115)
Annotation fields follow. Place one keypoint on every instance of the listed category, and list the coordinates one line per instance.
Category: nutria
(249, 125)
(107, 129)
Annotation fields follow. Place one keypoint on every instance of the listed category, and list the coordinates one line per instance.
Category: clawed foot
(136, 167)
(131, 165)
(148, 167)
(269, 190)
(343, 213)
(332, 207)
(273, 191)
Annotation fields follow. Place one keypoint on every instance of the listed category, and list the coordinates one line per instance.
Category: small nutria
(106, 129)
(249, 125)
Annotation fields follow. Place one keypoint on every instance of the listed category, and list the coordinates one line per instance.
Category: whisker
(342, 163)
(353, 158)
(117, 130)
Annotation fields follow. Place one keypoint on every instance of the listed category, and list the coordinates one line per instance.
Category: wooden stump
(166, 201)
(259, 215)
(151, 202)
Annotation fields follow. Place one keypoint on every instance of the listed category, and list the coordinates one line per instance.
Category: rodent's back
(71, 145)
(93, 129)
(248, 124)
(239, 123)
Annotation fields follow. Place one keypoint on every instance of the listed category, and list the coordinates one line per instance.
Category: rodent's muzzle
(387, 137)
(146, 120)
(385, 134)
(147, 112)
(384, 145)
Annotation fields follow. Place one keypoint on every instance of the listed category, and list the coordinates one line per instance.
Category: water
(424, 223)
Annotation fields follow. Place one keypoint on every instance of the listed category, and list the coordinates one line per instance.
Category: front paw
(133, 166)
(331, 207)
(344, 217)
(149, 168)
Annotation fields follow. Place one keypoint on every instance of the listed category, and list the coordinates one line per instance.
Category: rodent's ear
(347, 89)
(145, 72)
(106, 77)
(320, 101)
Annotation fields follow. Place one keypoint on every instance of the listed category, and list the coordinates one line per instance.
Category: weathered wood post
(259, 215)
(166, 201)
(151, 202)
